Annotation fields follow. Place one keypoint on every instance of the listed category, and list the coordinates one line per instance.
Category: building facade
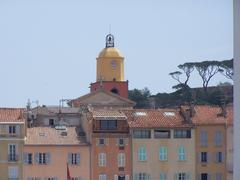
(162, 145)
(211, 141)
(12, 135)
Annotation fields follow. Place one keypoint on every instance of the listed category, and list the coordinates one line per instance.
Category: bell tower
(110, 70)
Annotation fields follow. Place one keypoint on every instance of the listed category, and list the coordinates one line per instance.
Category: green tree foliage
(226, 68)
(141, 97)
(206, 70)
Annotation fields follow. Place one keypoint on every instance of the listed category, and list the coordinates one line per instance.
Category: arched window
(115, 90)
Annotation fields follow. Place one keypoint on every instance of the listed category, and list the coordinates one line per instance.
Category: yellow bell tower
(110, 70)
(110, 66)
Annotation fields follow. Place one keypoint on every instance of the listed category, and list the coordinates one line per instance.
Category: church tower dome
(110, 65)
(110, 70)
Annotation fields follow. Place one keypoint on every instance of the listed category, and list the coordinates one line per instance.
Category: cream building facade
(163, 145)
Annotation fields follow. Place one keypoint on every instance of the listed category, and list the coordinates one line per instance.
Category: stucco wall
(154, 166)
(58, 163)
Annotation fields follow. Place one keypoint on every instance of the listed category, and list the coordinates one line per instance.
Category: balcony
(13, 158)
(12, 178)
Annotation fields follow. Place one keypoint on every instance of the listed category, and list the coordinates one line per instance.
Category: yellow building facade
(12, 134)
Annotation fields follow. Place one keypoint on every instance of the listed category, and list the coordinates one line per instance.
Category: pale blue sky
(48, 48)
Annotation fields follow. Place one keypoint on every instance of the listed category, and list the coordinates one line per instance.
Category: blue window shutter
(136, 176)
(199, 177)
(18, 129)
(223, 157)
(176, 176)
(25, 158)
(209, 177)
(78, 159)
(69, 158)
(36, 156)
(208, 157)
(48, 158)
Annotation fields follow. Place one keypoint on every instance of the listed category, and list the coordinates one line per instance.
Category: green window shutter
(136, 176)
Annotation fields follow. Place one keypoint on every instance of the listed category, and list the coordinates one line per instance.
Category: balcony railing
(12, 178)
(12, 158)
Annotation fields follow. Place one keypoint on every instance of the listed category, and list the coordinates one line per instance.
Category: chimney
(185, 115)
(223, 112)
(192, 111)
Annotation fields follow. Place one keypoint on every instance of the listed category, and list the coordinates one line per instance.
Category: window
(50, 178)
(142, 176)
(121, 160)
(12, 172)
(162, 134)
(182, 176)
(51, 122)
(74, 158)
(181, 153)
(181, 133)
(142, 134)
(163, 154)
(204, 157)
(163, 176)
(27, 158)
(218, 176)
(12, 129)
(42, 158)
(108, 124)
(203, 138)
(204, 176)
(142, 155)
(102, 159)
(33, 178)
(76, 178)
(218, 138)
(219, 157)
(102, 177)
(101, 141)
(12, 149)
(121, 142)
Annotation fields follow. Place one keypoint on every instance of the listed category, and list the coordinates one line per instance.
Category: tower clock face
(114, 64)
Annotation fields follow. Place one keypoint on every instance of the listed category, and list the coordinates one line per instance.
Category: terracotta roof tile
(11, 115)
(167, 118)
(206, 115)
(51, 136)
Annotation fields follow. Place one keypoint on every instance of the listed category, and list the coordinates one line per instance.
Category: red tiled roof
(206, 115)
(11, 115)
(146, 118)
(51, 136)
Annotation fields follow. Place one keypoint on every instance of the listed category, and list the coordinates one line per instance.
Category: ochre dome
(111, 52)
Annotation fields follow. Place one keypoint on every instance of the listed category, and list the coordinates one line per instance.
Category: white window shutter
(78, 158)
(199, 177)
(188, 177)
(127, 177)
(115, 177)
(97, 141)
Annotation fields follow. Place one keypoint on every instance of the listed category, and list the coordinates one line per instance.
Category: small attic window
(140, 114)
(41, 134)
(169, 114)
